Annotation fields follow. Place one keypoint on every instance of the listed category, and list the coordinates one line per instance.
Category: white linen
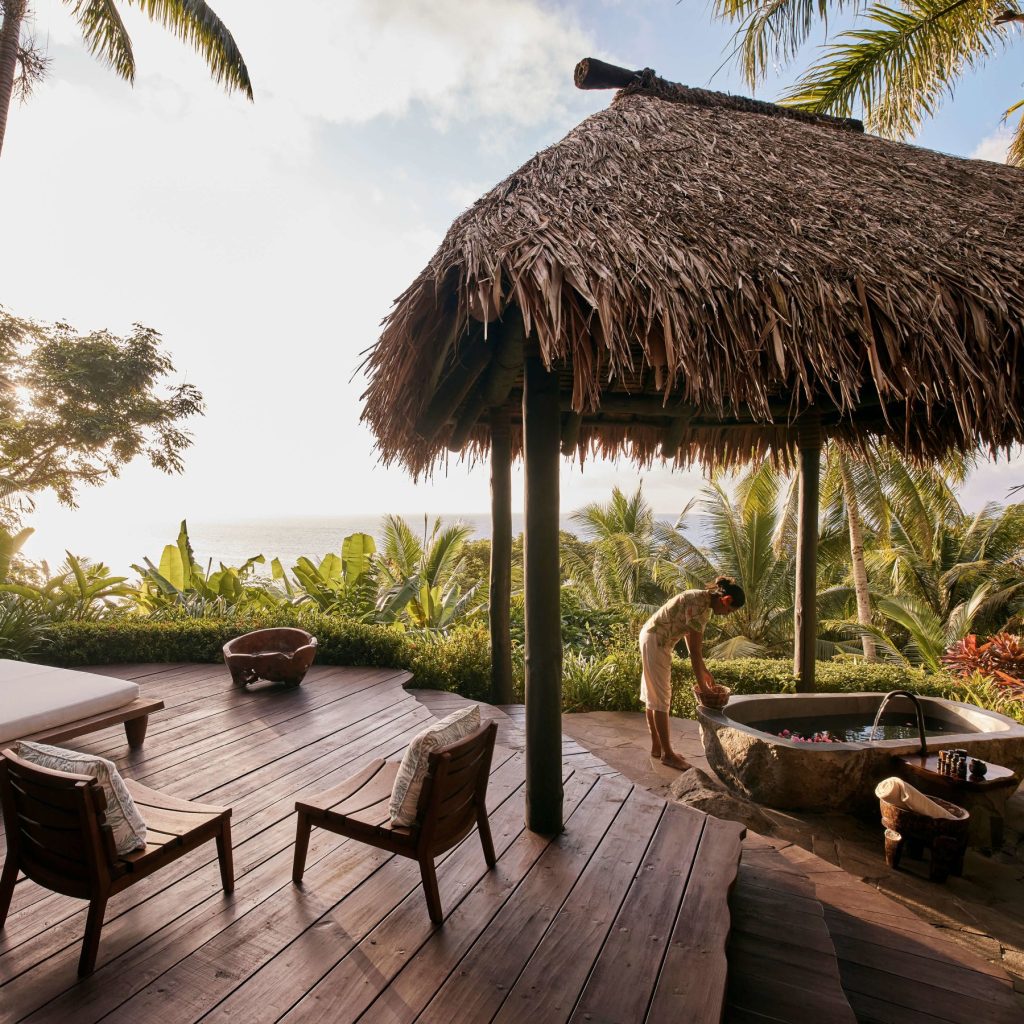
(902, 794)
(38, 697)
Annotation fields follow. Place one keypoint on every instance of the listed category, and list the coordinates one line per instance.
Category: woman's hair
(726, 586)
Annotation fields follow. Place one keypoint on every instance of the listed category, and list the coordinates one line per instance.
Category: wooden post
(805, 613)
(501, 558)
(542, 577)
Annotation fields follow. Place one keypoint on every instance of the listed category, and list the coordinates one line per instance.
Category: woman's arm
(695, 645)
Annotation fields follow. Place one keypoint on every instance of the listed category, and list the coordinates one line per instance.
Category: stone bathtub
(786, 774)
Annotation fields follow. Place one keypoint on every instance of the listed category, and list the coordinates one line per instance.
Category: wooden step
(895, 966)
(783, 967)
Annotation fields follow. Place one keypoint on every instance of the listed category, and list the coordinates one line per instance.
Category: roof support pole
(805, 612)
(501, 558)
(542, 578)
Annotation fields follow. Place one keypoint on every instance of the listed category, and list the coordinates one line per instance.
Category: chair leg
(302, 830)
(225, 856)
(484, 827)
(7, 880)
(429, 876)
(91, 942)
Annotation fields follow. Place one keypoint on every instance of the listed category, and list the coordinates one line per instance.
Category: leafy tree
(939, 554)
(76, 408)
(896, 62)
(22, 63)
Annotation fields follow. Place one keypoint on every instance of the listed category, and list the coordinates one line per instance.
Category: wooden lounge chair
(452, 802)
(57, 835)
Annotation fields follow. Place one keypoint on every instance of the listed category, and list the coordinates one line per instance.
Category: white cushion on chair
(34, 698)
(122, 815)
(405, 796)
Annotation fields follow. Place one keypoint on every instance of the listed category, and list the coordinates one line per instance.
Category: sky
(266, 241)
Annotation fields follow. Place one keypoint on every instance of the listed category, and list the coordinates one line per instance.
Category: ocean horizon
(120, 546)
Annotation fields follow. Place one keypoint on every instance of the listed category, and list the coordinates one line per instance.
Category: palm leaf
(195, 23)
(105, 35)
(772, 31)
(1015, 154)
(899, 68)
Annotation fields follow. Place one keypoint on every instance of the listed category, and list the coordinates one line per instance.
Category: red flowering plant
(1000, 658)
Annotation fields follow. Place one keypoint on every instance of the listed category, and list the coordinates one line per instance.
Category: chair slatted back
(455, 789)
(56, 826)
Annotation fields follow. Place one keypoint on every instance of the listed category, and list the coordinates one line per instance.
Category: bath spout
(916, 701)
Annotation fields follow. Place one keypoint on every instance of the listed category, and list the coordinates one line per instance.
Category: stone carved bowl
(716, 699)
(281, 655)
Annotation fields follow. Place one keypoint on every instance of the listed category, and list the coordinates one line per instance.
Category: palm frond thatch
(689, 255)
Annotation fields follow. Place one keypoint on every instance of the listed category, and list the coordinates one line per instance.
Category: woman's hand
(705, 681)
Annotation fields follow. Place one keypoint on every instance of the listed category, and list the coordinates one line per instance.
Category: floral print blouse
(689, 610)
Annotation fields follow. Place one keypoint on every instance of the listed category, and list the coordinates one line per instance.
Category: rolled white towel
(902, 794)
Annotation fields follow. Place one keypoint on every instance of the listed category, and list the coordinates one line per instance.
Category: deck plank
(639, 937)
(547, 988)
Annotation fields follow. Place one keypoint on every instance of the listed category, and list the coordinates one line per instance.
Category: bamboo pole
(541, 423)
(805, 617)
(501, 558)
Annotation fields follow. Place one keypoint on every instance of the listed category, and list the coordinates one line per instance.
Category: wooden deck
(596, 925)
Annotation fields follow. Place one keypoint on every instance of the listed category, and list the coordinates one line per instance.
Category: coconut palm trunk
(860, 572)
(10, 33)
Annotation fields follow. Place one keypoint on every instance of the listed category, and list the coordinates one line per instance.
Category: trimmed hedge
(459, 660)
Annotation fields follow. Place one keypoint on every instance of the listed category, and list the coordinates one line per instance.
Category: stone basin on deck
(793, 775)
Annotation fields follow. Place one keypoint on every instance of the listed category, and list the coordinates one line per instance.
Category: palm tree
(896, 63)
(418, 578)
(631, 556)
(855, 486)
(105, 35)
(945, 568)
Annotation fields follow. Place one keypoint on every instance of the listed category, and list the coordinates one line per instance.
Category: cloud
(994, 147)
(507, 59)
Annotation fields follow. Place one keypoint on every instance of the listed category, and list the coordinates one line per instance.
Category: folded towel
(902, 794)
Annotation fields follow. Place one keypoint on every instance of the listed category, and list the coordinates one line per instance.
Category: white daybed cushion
(38, 697)
(122, 815)
(405, 795)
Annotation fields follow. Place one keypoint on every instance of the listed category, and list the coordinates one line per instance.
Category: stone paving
(983, 910)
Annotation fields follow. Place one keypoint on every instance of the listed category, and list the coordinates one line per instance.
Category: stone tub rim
(1000, 726)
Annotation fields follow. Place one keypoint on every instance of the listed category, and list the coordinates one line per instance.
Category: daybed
(39, 702)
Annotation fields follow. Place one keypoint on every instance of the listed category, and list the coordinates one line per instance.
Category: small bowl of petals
(714, 697)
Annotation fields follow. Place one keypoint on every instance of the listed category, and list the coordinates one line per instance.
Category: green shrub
(458, 661)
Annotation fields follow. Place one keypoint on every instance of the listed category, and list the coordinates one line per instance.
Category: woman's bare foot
(656, 750)
(673, 760)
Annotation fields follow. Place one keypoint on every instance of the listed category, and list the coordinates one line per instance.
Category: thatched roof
(702, 269)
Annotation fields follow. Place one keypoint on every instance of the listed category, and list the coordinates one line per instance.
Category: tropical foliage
(896, 62)
(935, 578)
